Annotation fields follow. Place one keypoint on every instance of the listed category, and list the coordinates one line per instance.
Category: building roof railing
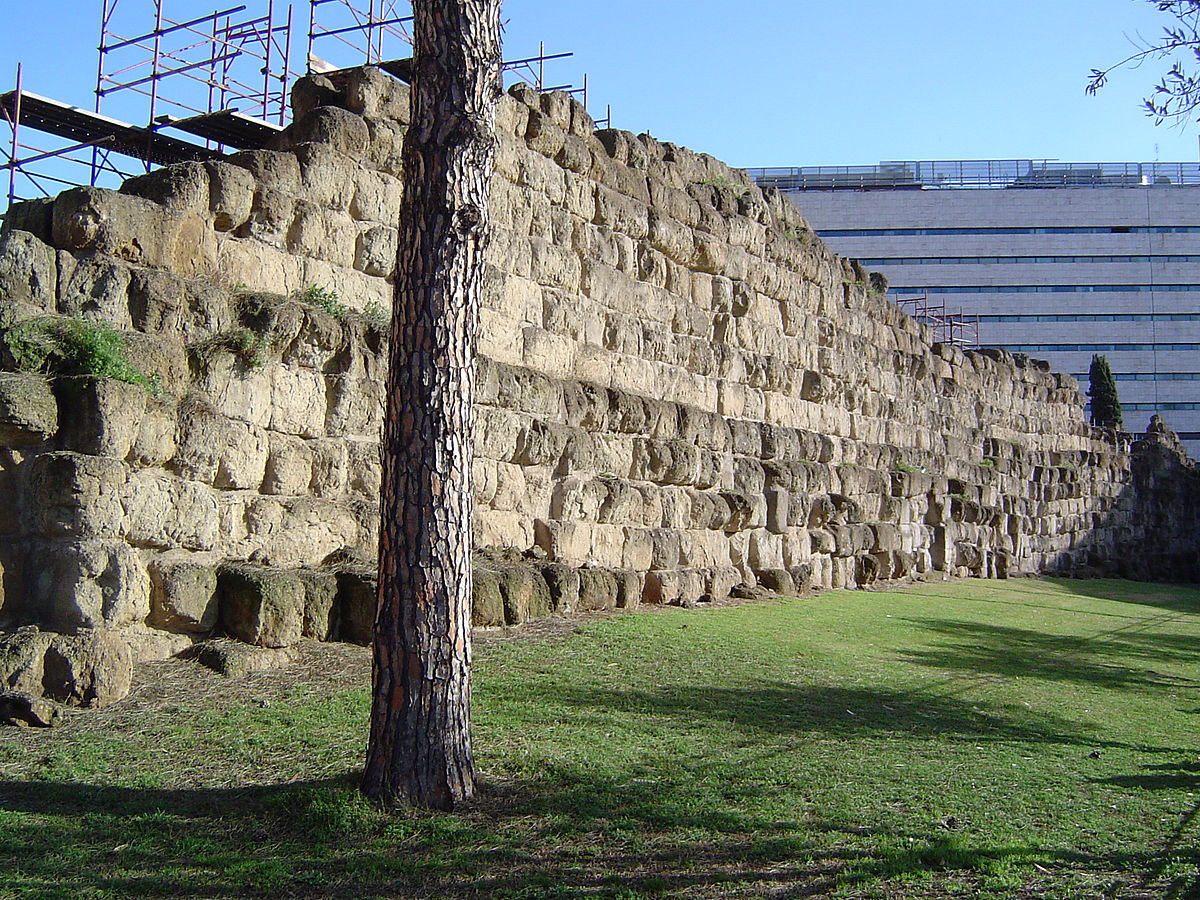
(976, 173)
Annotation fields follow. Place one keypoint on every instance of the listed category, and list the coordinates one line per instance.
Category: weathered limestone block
(28, 410)
(320, 605)
(375, 251)
(568, 542)
(183, 595)
(234, 659)
(322, 233)
(76, 494)
(674, 587)
(93, 668)
(598, 589)
(541, 443)
(385, 153)
(97, 288)
(487, 601)
(100, 416)
(88, 584)
(355, 406)
(261, 606)
(21, 657)
(27, 710)
(273, 170)
(498, 528)
(28, 270)
(329, 462)
(129, 228)
(230, 194)
(524, 592)
(270, 219)
(339, 129)
(168, 512)
(326, 176)
(297, 531)
(182, 186)
(298, 402)
(376, 197)
(289, 465)
(374, 94)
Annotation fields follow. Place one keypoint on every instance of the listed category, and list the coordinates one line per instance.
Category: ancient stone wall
(682, 392)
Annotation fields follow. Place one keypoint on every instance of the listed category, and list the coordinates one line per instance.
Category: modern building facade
(1057, 260)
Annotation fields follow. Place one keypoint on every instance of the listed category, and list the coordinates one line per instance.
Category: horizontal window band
(1047, 289)
(1148, 376)
(1019, 260)
(1091, 348)
(1048, 229)
(1090, 317)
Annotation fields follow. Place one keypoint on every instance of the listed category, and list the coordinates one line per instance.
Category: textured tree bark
(420, 744)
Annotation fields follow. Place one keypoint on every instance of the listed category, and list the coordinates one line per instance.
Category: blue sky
(776, 82)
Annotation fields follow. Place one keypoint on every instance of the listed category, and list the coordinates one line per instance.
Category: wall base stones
(682, 395)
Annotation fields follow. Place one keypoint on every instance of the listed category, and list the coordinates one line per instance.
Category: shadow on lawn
(570, 832)
(1184, 598)
(1101, 659)
(570, 838)
(829, 710)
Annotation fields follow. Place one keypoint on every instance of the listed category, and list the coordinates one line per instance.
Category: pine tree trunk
(420, 744)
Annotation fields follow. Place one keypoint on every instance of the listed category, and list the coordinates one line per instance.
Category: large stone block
(21, 660)
(132, 229)
(76, 494)
(340, 129)
(100, 416)
(88, 584)
(169, 512)
(231, 194)
(28, 270)
(93, 669)
(320, 605)
(28, 410)
(180, 186)
(183, 596)
(261, 606)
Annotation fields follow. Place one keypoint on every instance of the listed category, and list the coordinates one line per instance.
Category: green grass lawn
(967, 739)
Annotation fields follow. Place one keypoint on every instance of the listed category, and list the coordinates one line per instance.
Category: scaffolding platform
(228, 128)
(957, 328)
(29, 110)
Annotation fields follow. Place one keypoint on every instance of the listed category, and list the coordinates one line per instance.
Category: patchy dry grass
(967, 739)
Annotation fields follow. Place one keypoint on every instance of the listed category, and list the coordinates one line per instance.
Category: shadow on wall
(1151, 532)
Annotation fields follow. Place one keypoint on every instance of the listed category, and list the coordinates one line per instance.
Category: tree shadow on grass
(1097, 660)
(831, 711)
(523, 839)
(572, 831)
(520, 840)
(1174, 598)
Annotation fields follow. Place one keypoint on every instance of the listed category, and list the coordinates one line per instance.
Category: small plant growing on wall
(73, 346)
(324, 299)
(1102, 389)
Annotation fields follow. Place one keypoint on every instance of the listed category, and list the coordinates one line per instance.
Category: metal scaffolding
(228, 61)
(369, 31)
(223, 78)
(957, 328)
(348, 33)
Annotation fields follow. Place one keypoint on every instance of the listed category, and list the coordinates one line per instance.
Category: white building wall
(1107, 207)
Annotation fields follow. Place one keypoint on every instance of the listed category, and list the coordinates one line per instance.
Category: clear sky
(776, 82)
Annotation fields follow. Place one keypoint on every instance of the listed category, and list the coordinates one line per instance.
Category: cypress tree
(1102, 388)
